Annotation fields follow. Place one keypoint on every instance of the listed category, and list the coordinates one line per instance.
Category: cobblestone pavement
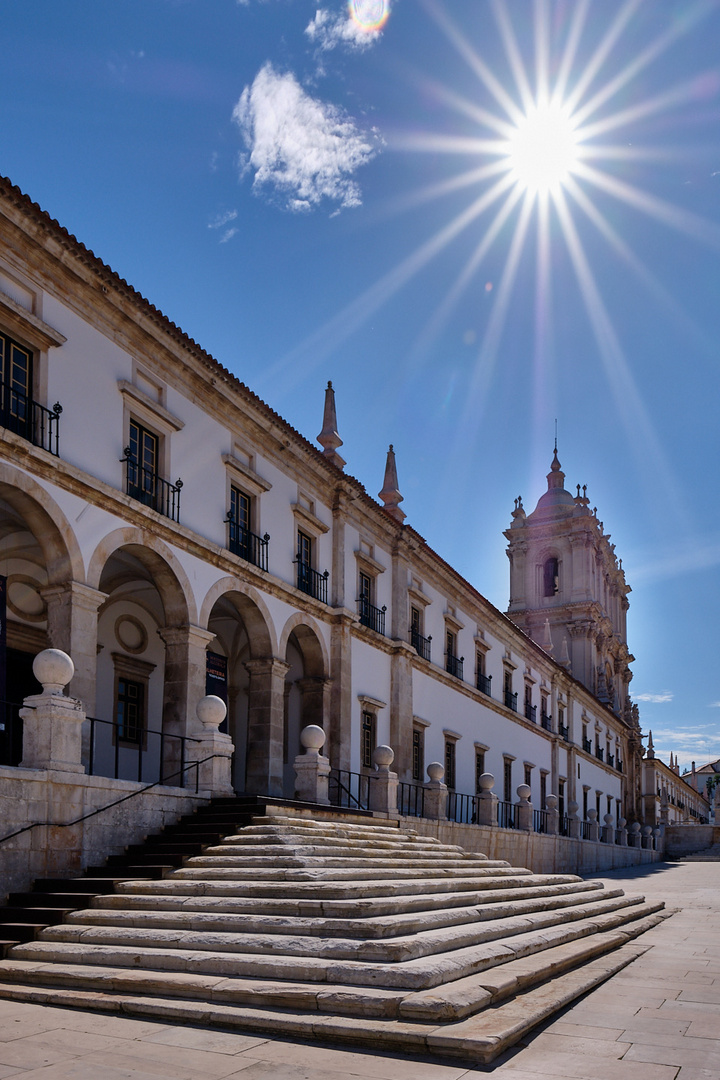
(658, 1019)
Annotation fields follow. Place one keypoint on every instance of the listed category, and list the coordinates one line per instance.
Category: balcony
(618, 765)
(587, 745)
(546, 722)
(30, 420)
(246, 545)
(484, 684)
(599, 753)
(372, 617)
(531, 712)
(510, 700)
(150, 489)
(611, 762)
(454, 665)
(311, 582)
(564, 732)
(420, 644)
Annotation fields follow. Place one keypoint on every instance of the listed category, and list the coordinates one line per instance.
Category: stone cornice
(22, 322)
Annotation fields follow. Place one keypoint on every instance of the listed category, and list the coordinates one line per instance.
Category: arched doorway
(306, 692)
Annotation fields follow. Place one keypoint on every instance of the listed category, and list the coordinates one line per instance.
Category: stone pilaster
(339, 747)
(185, 674)
(266, 696)
(72, 615)
(401, 707)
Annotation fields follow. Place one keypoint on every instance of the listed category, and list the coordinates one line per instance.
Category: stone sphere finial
(608, 819)
(486, 781)
(53, 669)
(551, 802)
(383, 757)
(211, 711)
(312, 737)
(435, 771)
(622, 823)
(592, 815)
(573, 808)
(524, 792)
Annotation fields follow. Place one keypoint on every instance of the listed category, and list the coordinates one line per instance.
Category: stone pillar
(72, 618)
(339, 728)
(435, 799)
(593, 825)
(659, 838)
(635, 839)
(623, 833)
(52, 722)
(266, 696)
(401, 706)
(383, 784)
(608, 832)
(552, 815)
(211, 749)
(524, 809)
(487, 801)
(185, 674)
(647, 837)
(574, 823)
(312, 768)
(315, 691)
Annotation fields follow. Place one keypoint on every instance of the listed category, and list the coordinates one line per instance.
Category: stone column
(608, 832)
(647, 837)
(211, 749)
(594, 826)
(435, 799)
(635, 839)
(52, 722)
(266, 695)
(72, 617)
(487, 801)
(623, 833)
(552, 815)
(524, 809)
(315, 693)
(383, 784)
(184, 685)
(574, 823)
(339, 729)
(312, 768)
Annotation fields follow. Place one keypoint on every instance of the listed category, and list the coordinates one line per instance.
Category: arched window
(550, 577)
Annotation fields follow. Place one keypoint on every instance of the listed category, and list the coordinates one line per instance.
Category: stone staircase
(333, 928)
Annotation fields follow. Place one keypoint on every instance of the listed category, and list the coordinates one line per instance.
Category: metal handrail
(546, 721)
(506, 815)
(511, 700)
(531, 712)
(246, 545)
(484, 684)
(29, 419)
(454, 665)
(372, 617)
(131, 746)
(311, 582)
(150, 489)
(411, 799)
(337, 777)
(420, 644)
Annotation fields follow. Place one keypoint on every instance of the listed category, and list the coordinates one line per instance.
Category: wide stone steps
(347, 931)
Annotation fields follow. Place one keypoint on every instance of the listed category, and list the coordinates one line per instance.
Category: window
(130, 711)
(585, 803)
(510, 698)
(551, 584)
(370, 615)
(450, 763)
(453, 662)
(419, 643)
(543, 789)
(418, 754)
(528, 774)
(308, 579)
(18, 411)
(143, 480)
(597, 804)
(241, 540)
(507, 779)
(368, 739)
(530, 709)
(479, 768)
(561, 799)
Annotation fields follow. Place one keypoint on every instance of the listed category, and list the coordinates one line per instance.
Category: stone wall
(36, 795)
(684, 839)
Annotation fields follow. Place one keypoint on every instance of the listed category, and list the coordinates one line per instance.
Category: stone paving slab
(657, 1019)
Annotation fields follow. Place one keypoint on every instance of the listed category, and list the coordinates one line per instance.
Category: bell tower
(568, 590)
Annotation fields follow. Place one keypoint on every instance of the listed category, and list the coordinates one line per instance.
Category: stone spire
(328, 437)
(650, 747)
(390, 493)
(556, 477)
(671, 766)
(565, 655)
(546, 642)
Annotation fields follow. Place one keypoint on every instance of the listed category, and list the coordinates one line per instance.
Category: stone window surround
(33, 334)
(130, 667)
(140, 407)
(245, 479)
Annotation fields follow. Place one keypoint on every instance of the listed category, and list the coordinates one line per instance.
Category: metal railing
(587, 745)
(155, 756)
(29, 419)
(546, 721)
(584, 830)
(246, 545)
(411, 799)
(611, 760)
(484, 684)
(564, 732)
(511, 700)
(564, 825)
(454, 665)
(420, 644)
(372, 617)
(11, 733)
(506, 815)
(312, 582)
(540, 818)
(348, 789)
(531, 712)
(462, 808)
(619, 765)
(599, 753)
(150, 489)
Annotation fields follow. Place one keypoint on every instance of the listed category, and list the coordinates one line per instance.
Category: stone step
(365, 907)
(276, 841)
(292, 854)
(363, 927)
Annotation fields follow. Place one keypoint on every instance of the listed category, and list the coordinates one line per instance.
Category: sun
(542, 151)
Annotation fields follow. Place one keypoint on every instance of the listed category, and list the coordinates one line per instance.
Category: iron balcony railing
(150, 489)
(246, 545)
(564, 732)
(372, 617)
(420, 644)
(599, 753)
(587, 745)
(619, 765)
(511, 700)
(531, 712)
(611, 760)
(484, 684)
(454, 665)
(312, 582)
(153, 757)
(29, 419)
(546, 721)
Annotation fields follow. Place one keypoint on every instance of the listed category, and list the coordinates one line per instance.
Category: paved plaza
(658, 1019)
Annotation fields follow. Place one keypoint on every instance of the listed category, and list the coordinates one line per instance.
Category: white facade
(97, 565)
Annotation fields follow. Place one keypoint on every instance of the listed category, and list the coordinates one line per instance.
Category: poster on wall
(216, 680)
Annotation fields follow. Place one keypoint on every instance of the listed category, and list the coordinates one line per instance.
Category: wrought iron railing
(348, 789)
(11, 733)
(312, 582)
(372, 617)
(411, 799)
(246, 545)
(153, 757)
(484, 684)
(506, 815)
(531, 712)
(587, 745)
(611, 760)
(584, 830)
(29, 419)
(454, 665)
(462, 808)
(564, 732)
(540, 819)
(150, 489)
(619, 765)
(420, 644)
(564, 825)
(599, 753)
(546, 721)
(511, 700)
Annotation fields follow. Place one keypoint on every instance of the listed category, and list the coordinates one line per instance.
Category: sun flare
(542, 151)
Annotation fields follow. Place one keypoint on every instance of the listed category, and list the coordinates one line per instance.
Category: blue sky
(312, 198)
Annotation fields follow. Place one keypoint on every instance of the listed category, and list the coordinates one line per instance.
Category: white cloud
(656, 699)
(328, 30)
(227, 235)
(714, 705)
(223, 219)
(303, 148)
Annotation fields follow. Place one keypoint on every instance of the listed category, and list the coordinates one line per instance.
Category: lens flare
(369, 14)
(542, 151)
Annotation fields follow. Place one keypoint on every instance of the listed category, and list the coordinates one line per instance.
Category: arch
(252, 610)
(310, 640)
(168, 575)
(551, 576)
(46, 521)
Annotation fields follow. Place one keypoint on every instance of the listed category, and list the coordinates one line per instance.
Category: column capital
(186, 634)
(270, 665)
(81, 595)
